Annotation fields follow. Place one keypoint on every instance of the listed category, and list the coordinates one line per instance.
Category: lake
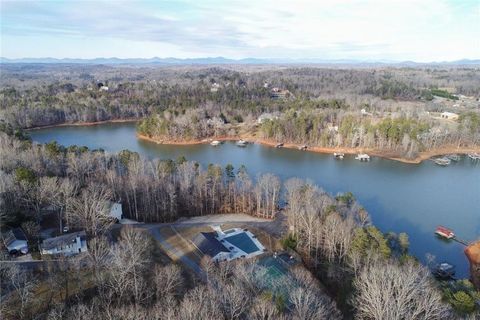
(399, 197)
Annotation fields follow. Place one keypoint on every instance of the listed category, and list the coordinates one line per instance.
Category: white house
(364, 112)
(67, 244)
(115, 210)
(267, 116)
(215, 87)
(15, 241)
(449, 115)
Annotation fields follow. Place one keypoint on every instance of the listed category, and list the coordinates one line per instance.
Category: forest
(121, 277)
(352, 269)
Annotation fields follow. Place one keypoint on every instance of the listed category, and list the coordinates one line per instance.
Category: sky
(368, 30)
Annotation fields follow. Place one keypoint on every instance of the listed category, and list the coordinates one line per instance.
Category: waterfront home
(449, 115)
(15, 241)
(67, 244)
(229, 244)
(267, 116)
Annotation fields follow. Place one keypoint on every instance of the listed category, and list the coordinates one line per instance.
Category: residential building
(267, 116)
(15, 241)
(67, 244)
(229, 244)
(215, 87)
(277, 93)
(115, 210)
(209, 245)
(449, 115)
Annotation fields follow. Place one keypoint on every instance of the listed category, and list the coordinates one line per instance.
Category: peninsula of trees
(392, 111)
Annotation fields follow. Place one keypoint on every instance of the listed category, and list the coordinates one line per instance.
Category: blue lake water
(399, 197)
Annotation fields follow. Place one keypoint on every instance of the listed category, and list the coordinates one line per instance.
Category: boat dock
(338, 155)
(448, 234)
(444, 161)
(474, 156)
(362, 157)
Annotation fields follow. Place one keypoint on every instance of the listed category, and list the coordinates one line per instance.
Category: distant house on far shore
(267, 116)
(215, 87)
(280, 94)
(15, 241)
(449, 115)
(67, 244)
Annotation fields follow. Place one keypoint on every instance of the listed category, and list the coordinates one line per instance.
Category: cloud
(368, 29)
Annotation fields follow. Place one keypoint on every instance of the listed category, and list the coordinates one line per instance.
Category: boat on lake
(338, 155)
(304, 147)
(362, 157)
(454, 157)
(474, 156)
(279, 145)
(444, 270)
(444, 232)
(444, 161)
(215, 143)
(241, 143)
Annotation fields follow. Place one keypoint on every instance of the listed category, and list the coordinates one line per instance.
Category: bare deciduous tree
(387, 290)
(90, 210)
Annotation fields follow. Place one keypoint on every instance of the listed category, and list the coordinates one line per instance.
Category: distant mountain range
(222, 60)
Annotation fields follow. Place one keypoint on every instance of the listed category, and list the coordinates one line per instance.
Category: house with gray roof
(228, 245)
(209, 245)
(15, 241)
(67, 244)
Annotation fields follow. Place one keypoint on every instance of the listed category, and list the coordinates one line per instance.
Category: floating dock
(444, 232)
(362, 157)
(449, 235)
(338, 155)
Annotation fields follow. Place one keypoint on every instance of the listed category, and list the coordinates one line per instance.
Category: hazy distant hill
(222, 60)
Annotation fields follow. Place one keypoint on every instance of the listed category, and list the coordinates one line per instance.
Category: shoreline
(424, 155)
(386, 154)
(81, 124)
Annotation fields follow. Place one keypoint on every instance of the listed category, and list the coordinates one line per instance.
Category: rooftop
(208, 244)
(14, 234)
(62, 240)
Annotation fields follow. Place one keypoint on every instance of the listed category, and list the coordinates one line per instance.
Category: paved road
(275, 227)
